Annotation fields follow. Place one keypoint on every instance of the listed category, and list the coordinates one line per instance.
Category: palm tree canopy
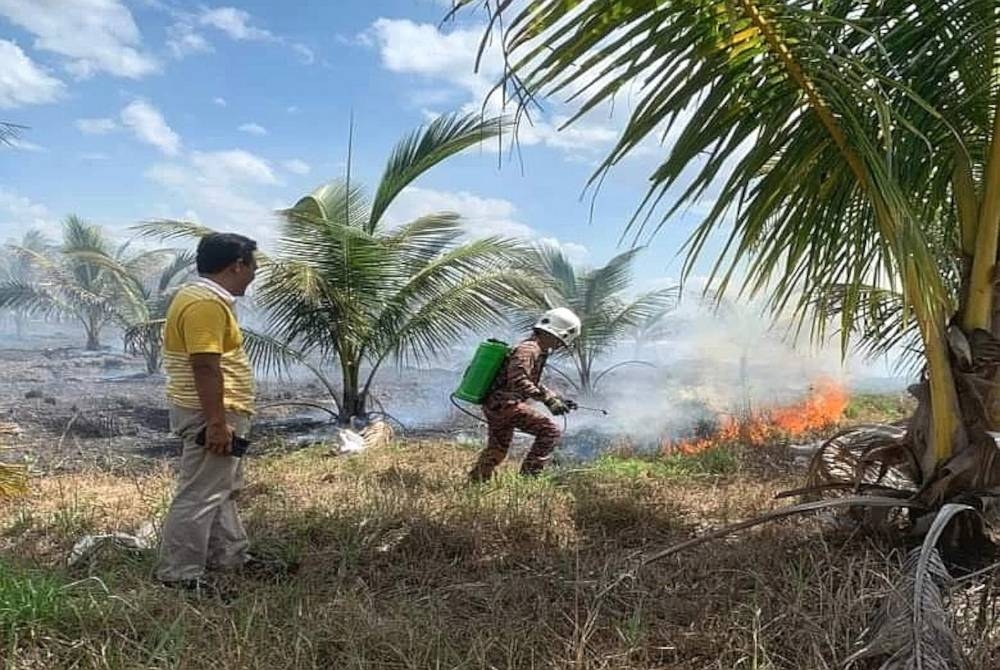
(343, 283)
(831, 131)
(599, 296)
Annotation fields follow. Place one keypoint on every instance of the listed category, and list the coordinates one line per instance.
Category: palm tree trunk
(152, 360)
(948, 432)
(980, 234)
(354, 401)
(92, 325)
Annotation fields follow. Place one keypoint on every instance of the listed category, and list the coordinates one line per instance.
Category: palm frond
(171, 229)
(911, 628)
(9, 132)
(180, 269)
(442, 138)
(774, 515)
(433, 298)
(270, 354)
(473, 304)
(880, 324)
(144, 336)
(558, 267)
(789, 121)
(79, 236)
(28, 298)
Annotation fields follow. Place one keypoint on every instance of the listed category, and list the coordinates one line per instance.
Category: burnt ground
(64, 409)
(67, 408)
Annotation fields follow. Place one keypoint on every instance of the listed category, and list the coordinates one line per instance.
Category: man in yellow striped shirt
(210, 390)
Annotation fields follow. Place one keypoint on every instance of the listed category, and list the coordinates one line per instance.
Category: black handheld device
(239, 446)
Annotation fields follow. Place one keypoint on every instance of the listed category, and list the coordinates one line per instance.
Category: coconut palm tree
(77, 281)
(599, 297)
(345, 286)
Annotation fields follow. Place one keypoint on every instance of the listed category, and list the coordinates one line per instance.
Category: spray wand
(590, 409)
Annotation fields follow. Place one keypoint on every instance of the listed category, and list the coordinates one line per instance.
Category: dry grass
(403, 566)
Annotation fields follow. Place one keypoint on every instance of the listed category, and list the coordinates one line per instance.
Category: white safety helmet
(562, 323)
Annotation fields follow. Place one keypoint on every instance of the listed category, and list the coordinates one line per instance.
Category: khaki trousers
(202, 528)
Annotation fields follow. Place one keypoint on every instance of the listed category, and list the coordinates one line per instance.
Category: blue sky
(169, 108)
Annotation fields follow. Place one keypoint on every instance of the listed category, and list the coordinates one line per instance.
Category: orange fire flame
(821, 409)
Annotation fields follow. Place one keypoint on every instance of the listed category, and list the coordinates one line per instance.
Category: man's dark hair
(217, 251)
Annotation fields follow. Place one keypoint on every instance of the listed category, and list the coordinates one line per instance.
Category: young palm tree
(858, 146)
(598, 297)
(345, 286)
(77, 282)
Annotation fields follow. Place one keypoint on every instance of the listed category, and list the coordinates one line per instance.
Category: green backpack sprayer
(482, 371)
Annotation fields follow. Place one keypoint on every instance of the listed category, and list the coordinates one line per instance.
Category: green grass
(720, 460)
(879, 407)
(35, 603)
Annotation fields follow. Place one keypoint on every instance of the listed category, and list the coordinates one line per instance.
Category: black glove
(571, 404)
(556, 405)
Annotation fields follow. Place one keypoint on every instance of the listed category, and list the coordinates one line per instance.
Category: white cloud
(292, 109)
(101, 126)
(18, 144)
(233, 166)
(221, 102)
(296, 166)
(449, 58)
(253, 129)
(238, 25)
(483, 217)
(19, 214)
(305, 53)
(222, 188)
(235, 23)
(22, 81)
(363, 39)
(94, 35)
(422, 49)
(94, 157)
(183, 40)
(148, 125)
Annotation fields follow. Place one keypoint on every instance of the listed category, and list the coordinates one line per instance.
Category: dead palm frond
(911, 629)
